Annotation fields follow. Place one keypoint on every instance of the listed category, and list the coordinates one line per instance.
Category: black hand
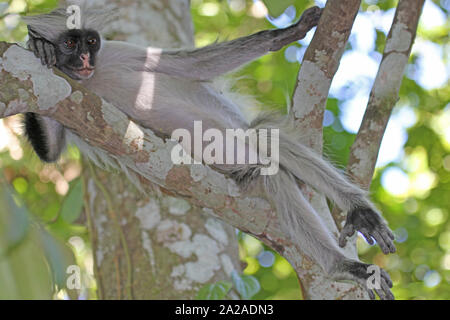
(42, 48)
(371, 225)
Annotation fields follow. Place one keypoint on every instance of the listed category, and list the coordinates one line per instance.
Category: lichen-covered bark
(384, 94)
(318, 68)
(152, 245)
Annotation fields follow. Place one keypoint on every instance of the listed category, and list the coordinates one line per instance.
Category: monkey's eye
(92, 41)
(69, 43)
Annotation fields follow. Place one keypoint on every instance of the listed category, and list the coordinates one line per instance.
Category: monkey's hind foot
(371, 277)
(372, 227)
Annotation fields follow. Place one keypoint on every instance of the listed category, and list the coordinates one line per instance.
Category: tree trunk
(133, 234)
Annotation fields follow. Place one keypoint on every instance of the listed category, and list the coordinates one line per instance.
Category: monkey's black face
(76, 51)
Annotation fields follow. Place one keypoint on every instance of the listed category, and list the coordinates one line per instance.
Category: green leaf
(14, 221)
(246, 285)
(73, 203)
(277, 7)
(215, 291)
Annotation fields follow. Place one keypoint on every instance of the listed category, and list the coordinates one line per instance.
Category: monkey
(164, 90)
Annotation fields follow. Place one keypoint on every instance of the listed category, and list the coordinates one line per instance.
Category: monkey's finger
(387, 239)
(49, 54)
(390, 234)
(32, 47)
(371, 294)
(40, 50)
(387, 292)
(384, 247)
(380, 292)
(366, 235)
(386, 277)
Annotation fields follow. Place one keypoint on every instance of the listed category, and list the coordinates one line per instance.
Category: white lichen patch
(134, 137)
(233, 188)
(311, 90)
(159, 163)
(89, 117)
(198, 172)
(321, 57)
(176, 206)
(218, 184)
(147, 245)
(390, 74)
(210, 212)
(23, 65)
(208, 262)
(171, 232)
(339, 36)
(216, 230)
(149, 215)
(375, 127)
(76, 97)
(15, 107)
(177, 271)
(101, 234)
(182, 285)
(364, 165)
(227, 264)
(400, 39)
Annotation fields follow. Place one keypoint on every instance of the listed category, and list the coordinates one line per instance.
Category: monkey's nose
(85, 58)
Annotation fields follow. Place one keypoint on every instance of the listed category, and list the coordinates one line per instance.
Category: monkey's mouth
(85, 73)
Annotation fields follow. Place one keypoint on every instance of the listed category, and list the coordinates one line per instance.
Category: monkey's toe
(371, 277)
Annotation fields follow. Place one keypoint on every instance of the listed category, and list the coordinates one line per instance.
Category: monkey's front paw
(42, 49)
(371, 225)
(369, 276)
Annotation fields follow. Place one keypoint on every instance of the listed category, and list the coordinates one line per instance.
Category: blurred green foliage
(420, 215)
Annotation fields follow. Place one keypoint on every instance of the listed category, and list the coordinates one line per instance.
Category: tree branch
(318, 68)
(27, 86)
(384, 94)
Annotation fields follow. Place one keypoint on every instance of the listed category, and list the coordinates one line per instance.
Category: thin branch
(384, 94)
(319, 66)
